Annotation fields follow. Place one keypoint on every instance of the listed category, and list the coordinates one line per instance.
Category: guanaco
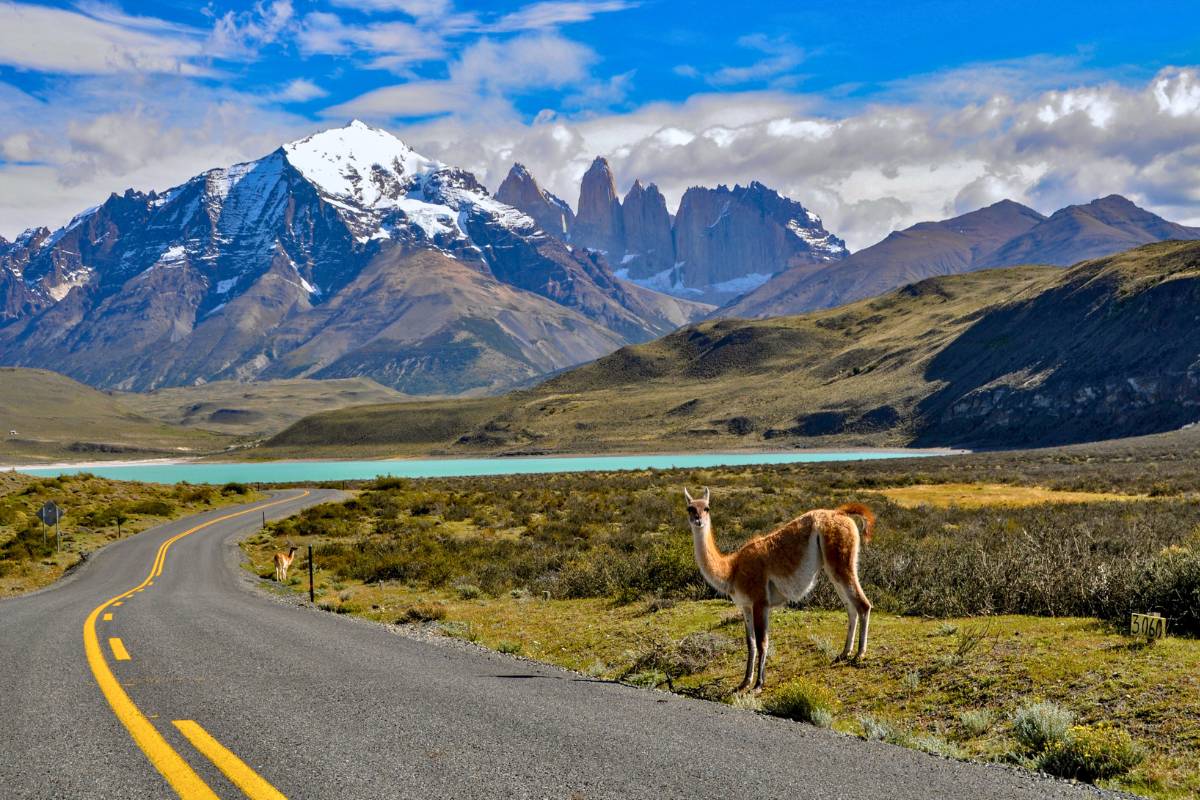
(783, 565)
(282, 562)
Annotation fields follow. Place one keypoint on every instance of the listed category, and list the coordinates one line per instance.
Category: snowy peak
(365, 165)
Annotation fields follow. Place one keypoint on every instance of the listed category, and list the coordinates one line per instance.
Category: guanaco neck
(714, 565)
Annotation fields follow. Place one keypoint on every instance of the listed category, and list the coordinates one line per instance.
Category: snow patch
(224, 287)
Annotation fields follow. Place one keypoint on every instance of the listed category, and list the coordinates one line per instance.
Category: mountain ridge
(1000, 235)
(229, 275)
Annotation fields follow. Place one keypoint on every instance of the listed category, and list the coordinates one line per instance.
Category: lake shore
(171, 470)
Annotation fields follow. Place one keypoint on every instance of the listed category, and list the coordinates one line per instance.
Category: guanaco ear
(685, 494)
(707, 494)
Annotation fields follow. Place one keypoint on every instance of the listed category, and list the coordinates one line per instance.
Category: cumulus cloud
(480, 79)
(389, 45)
(870, 169)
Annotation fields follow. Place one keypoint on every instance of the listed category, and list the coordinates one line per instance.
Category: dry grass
(91, 506)
(979, 495)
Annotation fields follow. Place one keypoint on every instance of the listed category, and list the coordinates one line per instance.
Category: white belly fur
(796, 586)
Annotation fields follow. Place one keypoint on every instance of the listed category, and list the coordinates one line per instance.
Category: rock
(599, 224)
(521, 190)
(730, 241)
(649, 244)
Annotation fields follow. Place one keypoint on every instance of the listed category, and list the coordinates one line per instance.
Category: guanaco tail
(783, 565)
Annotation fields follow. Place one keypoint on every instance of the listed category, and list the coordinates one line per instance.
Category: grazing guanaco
(282, 562)
(783, 565)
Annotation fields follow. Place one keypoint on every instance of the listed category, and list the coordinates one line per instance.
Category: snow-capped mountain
(345, 253)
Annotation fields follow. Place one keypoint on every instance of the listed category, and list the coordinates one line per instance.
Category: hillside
(57, 418)
(1001, 235)
(1024, 356)
(254, 409)
(343, 254)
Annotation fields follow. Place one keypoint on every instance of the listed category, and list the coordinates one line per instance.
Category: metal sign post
(51, 513)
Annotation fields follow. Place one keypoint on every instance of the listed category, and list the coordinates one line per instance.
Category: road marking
(177, 772)
(118, 648)
(246, 779)
(108, 617)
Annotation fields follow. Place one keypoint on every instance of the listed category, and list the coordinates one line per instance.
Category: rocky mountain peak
(649, 243)
(358, 162)
(598, 223)
(521, 190)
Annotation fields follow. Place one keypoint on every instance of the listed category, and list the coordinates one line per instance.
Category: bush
(509, 647)
(468, 591)
(1040, 725)
(687, 656)
(153, 507)
(426, 612)
(976, 723)
(1090, 753)
(235, 488)
(802, 701)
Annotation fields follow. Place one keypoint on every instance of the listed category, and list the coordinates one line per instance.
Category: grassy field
(56, 418)
(988, 599)
(97, 512)
(255, 410)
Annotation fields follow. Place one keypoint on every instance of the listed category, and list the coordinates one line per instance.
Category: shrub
(426, 612)
(468, 591)
(686, 656)
(509, 647)
(153, 507)
(976, 723)
(1038, 725)
(1090, 753)
(235, 488)
(746, 702)
(802, 701)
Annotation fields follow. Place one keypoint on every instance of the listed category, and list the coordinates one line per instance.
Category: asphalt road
(225, 687)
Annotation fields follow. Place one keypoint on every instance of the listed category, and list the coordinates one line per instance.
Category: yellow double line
(183, 779)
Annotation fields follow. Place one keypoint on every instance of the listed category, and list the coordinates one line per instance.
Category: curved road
(228, 693)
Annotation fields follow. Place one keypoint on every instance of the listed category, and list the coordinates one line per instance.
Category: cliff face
(599, 224)
(723, 242)
(520, 190)
(733, 240)
(649, 244)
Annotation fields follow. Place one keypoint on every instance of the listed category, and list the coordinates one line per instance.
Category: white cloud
(241, 34)
(480, 80)
(419, 9)
(555, 13)
(300, 90)
(54, 40)
(780, 57)
(389, 45)
(870, 169)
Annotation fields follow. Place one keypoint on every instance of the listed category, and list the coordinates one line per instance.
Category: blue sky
(875, 114)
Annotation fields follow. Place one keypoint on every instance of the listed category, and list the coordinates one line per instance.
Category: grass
(980, 495)
(255, 409)
(94, 507)
(1151, 692)
(56, 418)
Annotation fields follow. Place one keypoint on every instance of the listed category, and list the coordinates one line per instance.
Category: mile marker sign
(1151, 626)
(51, 513)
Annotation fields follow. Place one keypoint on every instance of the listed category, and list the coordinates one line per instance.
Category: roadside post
(312, 597)
(1148, 626)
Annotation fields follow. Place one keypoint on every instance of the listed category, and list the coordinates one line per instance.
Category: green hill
(1023, 356)
(255, 409)
(45, 416)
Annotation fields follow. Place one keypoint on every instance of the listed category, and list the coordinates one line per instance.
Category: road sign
(51, 513)
(1151, 626)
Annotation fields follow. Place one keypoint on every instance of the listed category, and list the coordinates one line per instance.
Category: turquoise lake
(302, 471)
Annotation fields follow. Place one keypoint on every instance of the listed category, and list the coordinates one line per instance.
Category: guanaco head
(697, 509)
